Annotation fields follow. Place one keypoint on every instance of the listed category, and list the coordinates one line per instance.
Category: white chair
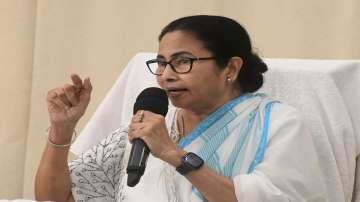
(326, 91)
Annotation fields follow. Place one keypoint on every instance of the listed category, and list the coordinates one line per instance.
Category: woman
(235, 145)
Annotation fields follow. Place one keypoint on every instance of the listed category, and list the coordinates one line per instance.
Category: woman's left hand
(151, 128)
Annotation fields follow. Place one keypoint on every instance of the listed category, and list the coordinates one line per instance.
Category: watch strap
(187, 163)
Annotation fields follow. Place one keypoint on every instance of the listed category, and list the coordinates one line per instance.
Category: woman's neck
(188, 119)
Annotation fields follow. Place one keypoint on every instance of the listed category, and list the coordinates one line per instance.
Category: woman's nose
(168, 73)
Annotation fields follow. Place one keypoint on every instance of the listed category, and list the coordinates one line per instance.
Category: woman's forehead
(179, 42)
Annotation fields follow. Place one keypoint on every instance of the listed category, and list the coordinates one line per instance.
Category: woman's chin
(176, 104)
(179, 103)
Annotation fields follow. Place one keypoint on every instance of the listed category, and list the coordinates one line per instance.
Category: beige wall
(96, 38)
(17, 27)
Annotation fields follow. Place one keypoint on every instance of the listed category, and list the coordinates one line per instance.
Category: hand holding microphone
(148, 132)
(152, 130)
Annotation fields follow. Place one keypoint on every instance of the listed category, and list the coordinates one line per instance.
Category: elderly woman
(236, 145)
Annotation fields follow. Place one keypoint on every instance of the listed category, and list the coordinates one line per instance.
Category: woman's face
(204, 87)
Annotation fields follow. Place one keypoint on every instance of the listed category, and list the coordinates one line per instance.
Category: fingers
(77, 81)
(55, 99)
(136, 130)
(62, 96)
(143, 122)
(80, 85)
(136, 125)
(80, 91)
(70, 93)
(87, 85)
(85, 92)
(144, 116)
(138, 117)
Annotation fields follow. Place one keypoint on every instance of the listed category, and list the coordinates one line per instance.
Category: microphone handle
(137, 161)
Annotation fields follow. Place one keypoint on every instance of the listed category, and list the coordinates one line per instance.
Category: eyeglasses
(180, 65)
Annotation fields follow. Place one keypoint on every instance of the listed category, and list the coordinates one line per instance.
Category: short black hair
(224, 38)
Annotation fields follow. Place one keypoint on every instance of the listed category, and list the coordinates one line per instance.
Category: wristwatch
(189, 162)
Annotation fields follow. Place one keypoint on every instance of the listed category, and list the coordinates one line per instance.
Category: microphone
(154, 100)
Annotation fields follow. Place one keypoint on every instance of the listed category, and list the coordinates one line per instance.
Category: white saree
(231, 140)
(267, 153)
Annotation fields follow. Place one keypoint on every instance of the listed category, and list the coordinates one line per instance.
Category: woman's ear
(233, 68)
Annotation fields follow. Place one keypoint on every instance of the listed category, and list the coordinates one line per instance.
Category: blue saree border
(207, 122)
(259, 156)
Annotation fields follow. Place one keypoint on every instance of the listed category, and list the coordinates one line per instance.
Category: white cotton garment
(289, 171)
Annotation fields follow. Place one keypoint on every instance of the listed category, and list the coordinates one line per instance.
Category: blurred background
(43, 41)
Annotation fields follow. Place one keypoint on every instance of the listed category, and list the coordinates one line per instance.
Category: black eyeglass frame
(172, 67)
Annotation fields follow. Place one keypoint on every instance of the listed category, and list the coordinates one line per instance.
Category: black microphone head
(152, 99)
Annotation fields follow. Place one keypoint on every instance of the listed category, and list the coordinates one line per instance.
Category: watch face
(193, 159)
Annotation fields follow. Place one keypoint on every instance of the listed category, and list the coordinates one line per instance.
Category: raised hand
(66, 104)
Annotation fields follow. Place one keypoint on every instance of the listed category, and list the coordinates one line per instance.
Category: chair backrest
(326, 91)
(320, 89)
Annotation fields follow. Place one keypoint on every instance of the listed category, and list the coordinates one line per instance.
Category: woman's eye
(183, 61)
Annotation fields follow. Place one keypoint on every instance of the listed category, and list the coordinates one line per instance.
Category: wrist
(63, 125)
(61, 134)
(174, 157)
